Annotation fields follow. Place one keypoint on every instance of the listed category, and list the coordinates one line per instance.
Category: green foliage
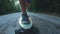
(7, 6)
(47, 6)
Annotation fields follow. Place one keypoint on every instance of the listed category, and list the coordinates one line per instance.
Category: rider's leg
(23, 7)
(27, 3)
(25, 20)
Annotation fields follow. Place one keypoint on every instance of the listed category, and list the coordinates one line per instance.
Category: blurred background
(39, 6)
(42, 12)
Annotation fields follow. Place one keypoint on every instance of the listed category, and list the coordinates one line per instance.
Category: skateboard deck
(33, 30)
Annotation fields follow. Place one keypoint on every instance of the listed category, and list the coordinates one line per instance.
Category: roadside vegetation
(51, 7)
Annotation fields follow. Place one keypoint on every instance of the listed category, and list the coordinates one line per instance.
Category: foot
(25, 19)
(25, 22)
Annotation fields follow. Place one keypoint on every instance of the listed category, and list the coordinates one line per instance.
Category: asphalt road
(46, 24)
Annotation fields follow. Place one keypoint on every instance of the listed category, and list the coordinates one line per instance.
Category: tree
(47, 6)
(7, 6)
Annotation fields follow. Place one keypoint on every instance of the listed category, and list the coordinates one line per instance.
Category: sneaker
(25, 19)
(25, 22)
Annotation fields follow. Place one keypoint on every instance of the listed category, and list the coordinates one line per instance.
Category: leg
(25, 19)
(27, 4)
(23, 7)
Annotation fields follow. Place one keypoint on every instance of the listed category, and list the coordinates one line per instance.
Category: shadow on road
(33, 30)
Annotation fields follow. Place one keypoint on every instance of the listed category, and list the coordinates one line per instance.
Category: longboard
(33, 30)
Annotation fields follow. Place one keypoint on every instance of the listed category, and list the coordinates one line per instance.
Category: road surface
(46, 24)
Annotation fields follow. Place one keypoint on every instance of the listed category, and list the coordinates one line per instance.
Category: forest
(40, 6)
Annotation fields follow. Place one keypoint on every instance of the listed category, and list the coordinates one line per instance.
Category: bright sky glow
(17, 2)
